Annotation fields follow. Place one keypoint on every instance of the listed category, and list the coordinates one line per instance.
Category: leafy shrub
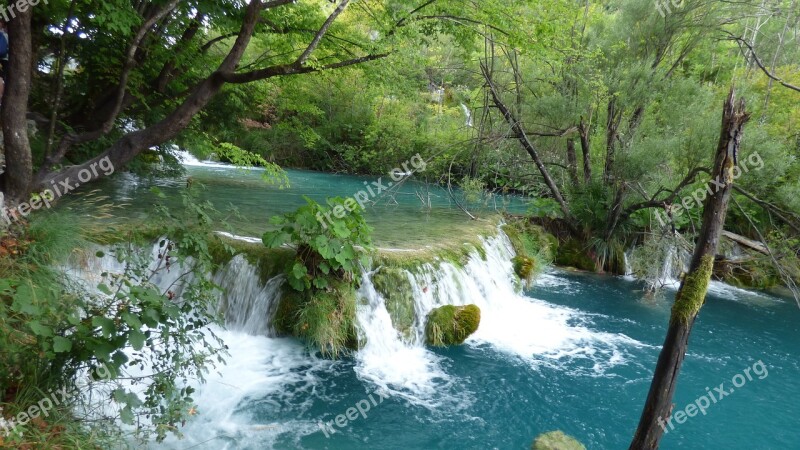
(123, 323)
(319, 305)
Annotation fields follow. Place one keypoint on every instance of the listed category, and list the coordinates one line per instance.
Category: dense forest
(631, 130)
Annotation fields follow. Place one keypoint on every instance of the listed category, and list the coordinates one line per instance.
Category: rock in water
(556, 440)
(452, 325)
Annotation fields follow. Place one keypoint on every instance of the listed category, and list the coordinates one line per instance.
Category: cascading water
(467, 114)
(262, 366)
(516, 325)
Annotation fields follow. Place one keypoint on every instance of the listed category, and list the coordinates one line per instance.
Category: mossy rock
(534, 247)
(573, 253)
(324, 319)
(530, 240)
(556, 440)
(270, 262)
(524, 267)
(393, 284)
(451, 325)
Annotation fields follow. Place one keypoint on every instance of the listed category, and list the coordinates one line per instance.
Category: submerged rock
(556, 440)
(451, 325)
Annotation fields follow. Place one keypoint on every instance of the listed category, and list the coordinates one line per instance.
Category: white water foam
(532, 330)
(263, 370)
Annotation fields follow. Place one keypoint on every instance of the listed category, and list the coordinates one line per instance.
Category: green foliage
(534, 247)
(330, 245)
(330, 242)
(242, 158)
(451, 325)
(325, 319)
(125, 322)
(544, 208)
(574, 253)
(473, 189)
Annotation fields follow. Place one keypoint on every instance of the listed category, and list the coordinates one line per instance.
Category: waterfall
(263, 369)
(519, 326)
(248, 305)
(467, 114)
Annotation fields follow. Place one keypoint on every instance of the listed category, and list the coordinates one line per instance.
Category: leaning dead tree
(522, 136)
(692, 293)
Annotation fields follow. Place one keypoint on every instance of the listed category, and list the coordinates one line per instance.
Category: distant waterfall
(467, 114)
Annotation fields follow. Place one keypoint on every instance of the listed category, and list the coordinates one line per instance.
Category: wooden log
(744, 242)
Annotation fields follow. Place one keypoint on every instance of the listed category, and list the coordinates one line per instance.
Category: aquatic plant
(319, 304)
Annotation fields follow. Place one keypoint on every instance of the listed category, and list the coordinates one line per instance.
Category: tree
(121, 104)
(692, 292)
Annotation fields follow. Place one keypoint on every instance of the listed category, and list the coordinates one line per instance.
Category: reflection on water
(247, 202)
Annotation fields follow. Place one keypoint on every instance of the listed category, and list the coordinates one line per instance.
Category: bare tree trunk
(572, 161)
(586, 150)
(17, 178)
(691, 295)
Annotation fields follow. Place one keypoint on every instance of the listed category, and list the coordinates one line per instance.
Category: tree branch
(301, 60)
(292, 69)
(760, 65)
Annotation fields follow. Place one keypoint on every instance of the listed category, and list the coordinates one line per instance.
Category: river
(574, 352)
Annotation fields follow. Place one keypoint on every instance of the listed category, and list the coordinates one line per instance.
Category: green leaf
(61, 345)
(136, 339)
(39, 329)
(107, 325)
(126, 416)
(104, 289)
(299, 270)
(132, 320)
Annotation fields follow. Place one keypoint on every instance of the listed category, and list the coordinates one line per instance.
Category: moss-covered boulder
(524, 267)
(451, 325)
(530, 240)
(534, 247)
(556, 440)
(393, 284)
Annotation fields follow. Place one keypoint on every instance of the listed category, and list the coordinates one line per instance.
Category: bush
(319, 305)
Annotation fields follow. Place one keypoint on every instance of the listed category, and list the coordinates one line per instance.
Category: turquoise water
(247, 202)
(502, 401)
(574, 353)
(492, 394)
